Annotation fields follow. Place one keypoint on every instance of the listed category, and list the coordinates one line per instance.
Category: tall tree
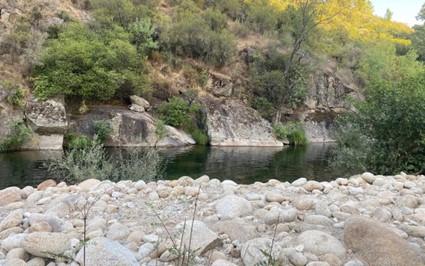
(308, 16)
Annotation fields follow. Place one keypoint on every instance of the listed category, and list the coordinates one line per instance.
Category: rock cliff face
(130, 128)
(327, 100)
(232, 123)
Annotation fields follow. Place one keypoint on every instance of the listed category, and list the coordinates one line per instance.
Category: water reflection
(242, 164)
(24, 168)
(249, 164)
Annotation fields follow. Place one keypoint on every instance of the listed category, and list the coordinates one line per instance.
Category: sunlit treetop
(355, 18)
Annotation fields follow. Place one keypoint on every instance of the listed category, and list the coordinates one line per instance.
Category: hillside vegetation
(106, 50)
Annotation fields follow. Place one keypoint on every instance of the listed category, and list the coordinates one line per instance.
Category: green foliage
(90, 66)
(94, 162)
(102, 129)
(281, 86)
(142, 32)
(136, 163)
(262, 16)
(291, 132)
(185, 114)
(16, 93)
(160, 128)
(175, 112)
(380, 63)
(385, 132)
(192, 35)
(76, 141)
(263, 106)
(18, 134)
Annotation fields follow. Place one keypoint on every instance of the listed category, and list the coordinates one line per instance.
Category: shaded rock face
(130, 128)
(326, 100)
(232, 123)
(377, 244)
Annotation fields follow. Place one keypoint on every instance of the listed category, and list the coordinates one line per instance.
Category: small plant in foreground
(185, 254)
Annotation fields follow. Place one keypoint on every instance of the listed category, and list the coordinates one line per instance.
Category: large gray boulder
(45, 244)
(232, 123)
(253, 251)
(130, 128)
(376, 244)
(233, 206)
(175, 138)
(46, 117)
(321, 243)
(198, 235)
(103, 251)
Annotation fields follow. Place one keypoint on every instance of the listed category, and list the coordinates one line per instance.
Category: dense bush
(15, 93)
(102, 129)
(186, 114)
(17, 136)
(89, 65)
(291, 132)
(192, 35)
(385, 132)
(94, 162)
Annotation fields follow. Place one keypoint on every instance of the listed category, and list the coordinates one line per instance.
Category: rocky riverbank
(363, 220)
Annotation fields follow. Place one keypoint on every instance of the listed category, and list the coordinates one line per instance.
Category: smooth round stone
(368, 177)
(274, 197)
(299, 182)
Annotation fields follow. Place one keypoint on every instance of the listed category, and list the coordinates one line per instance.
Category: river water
(244, 165)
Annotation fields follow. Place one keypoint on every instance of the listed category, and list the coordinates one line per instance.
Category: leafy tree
(385, 133)
(380, 63)
(89, 65)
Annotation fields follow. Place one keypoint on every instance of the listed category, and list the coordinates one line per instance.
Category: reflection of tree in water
(242, 164)
(24, 168)
(309, 161)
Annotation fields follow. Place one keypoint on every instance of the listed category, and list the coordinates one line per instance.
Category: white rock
(46, 245)
(201, 238)
(13, 219)
(233, 206)
(146, 249)
(103, 251)
(299, 182)
(118, 231)
(12, 241)
(321, 243)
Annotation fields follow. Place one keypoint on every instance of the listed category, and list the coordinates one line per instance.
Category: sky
(403, 10)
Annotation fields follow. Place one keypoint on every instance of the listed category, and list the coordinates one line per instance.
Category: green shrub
(90, 65)
(291, 132)
(384, 133)
(160, 128)
(102, 129)
(16, 93)
(175, 112)
(192, 36)
(94, 162)
(76, 141)
(186, 115)
(263, 106)
(18, 134)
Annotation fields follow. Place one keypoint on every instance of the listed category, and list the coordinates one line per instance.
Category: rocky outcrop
(48, 121)
(340, 222)
(130, 128)
(232, 123)
(326, 100)
(46, 117)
